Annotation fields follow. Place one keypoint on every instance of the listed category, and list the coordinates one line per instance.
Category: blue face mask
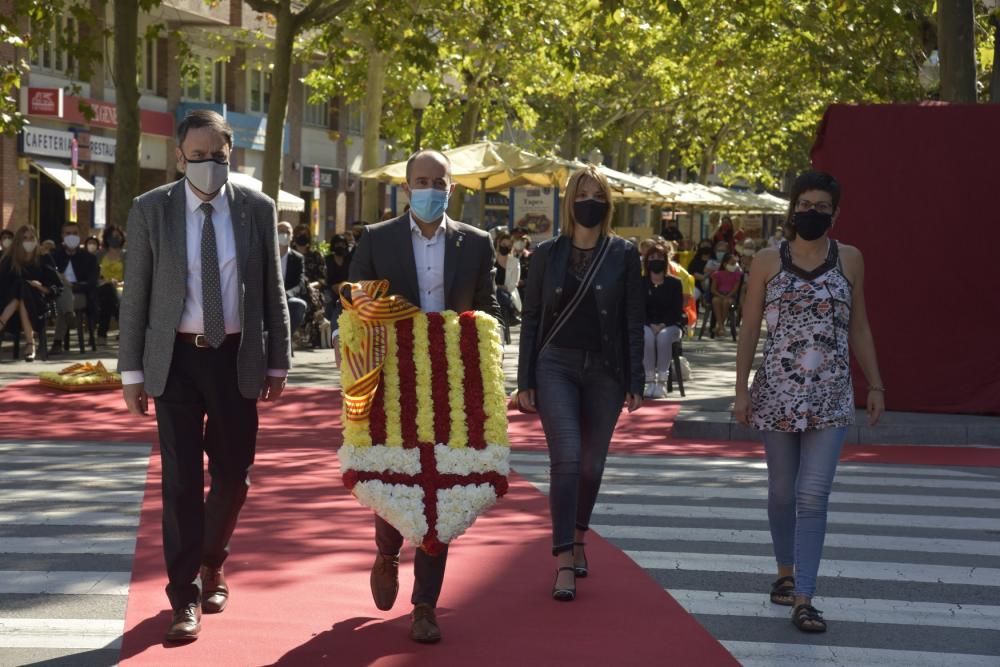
(428, 204)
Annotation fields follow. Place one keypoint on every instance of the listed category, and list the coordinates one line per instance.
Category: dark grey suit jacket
(156, 284)
(385, 252)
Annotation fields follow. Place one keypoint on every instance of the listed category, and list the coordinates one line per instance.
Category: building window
(204, 80)
(355, 119)
(49, 55)
(146, 67)
(260, 90)
(315, 113)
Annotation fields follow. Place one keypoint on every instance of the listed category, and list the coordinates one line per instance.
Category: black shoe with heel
(564, 594)
(580, 570)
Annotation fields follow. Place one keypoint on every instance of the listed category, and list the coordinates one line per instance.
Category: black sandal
(782, 594)
(564, 594)
(807, 614)
(581, 570)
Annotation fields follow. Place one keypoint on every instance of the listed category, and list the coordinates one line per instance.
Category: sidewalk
(704, 411)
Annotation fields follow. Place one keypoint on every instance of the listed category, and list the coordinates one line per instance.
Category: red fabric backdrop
(921, 199)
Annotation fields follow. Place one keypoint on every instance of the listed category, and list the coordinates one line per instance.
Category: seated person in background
(27, 280)
(671, 232)
(48, 245)
(112, 266)
(687, 281)
(725, 288)
(294, 272)
(6, 239)
(697, 269)
(777, 236)
(664, 318)
(338, 266)
(80, 274)
(508, 276)
(93, 244)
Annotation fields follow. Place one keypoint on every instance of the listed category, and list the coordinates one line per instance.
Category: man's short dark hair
(421, 153)
(71, 224)
(199, 118)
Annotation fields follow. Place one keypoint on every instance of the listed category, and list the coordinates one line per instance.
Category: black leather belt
(198, 340)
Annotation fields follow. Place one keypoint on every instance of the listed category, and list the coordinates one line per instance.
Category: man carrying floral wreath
(438, 264)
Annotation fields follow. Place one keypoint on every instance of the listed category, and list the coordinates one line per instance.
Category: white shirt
(193, 317)
(69, 273)
(429, 257)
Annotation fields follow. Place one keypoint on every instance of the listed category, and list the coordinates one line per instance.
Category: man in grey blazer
(438, 264)
(205, 332)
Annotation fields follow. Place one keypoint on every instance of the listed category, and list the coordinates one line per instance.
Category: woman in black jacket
(27, 280)
(580, 358)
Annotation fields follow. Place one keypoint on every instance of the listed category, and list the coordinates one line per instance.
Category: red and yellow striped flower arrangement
(425, 418)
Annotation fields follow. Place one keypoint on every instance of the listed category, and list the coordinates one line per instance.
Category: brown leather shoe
(185, 624)
(425, 628)
(214, 590)
(385, 581)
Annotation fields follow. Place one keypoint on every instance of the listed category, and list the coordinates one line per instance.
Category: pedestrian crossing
(69, 512)
(910, 573)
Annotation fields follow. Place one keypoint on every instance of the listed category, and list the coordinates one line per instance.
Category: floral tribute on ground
(425, 416)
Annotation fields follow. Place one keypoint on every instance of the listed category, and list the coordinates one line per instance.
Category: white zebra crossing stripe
(61, 633)
(73, 495)
(724, 464)
(49, 478)
(69, 518)
(857, 610)
(760, 477)
(80, 463)
(880, 542)
(68, 545)
(831, 569)
(833, 518)
(764, 654)
(760, 493)
(64, 583)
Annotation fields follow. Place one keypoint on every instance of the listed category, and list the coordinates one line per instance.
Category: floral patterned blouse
(804, 382)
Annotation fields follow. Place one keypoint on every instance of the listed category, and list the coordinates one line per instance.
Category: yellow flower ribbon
(367, 301)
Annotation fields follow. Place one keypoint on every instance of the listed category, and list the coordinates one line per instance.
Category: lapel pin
(458, 241)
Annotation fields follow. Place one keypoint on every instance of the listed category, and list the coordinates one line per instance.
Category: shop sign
(534, 211)
(45, 102)
(53, 103)
(56, 143)
(102, 149)
(40, 141)
(329, 179)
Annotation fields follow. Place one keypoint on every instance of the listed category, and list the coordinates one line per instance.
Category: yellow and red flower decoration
(425, 419)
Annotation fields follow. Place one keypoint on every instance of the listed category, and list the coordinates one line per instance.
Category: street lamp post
(419, 99)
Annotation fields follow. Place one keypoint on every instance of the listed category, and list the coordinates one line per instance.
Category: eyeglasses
(820, 206)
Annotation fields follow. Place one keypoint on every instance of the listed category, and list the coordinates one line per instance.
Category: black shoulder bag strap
(574, 303)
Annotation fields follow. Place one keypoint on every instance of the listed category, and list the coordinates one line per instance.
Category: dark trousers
(428, 571)
(196, 530)
(579, 402)
(107, 307)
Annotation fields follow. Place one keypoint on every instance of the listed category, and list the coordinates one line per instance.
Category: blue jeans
(579, 402)
(800, 471)
(296, 312)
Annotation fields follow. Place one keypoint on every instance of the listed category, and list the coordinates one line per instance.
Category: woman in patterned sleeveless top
(810, 289)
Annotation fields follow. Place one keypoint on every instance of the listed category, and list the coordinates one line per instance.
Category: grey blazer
(156, 284)
(385, 252)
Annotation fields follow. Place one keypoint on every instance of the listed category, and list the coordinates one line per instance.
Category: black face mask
(811, 224)
(339, 250)
(114, 242)
(590, 212)
(504, 250)
(657, 265)
(302, 240)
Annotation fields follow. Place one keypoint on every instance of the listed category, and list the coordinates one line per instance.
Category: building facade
(191, 54)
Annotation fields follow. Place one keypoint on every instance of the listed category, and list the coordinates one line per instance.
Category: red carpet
(302, 552)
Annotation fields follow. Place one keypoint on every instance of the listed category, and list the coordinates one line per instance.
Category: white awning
(286, 200)
(63, 175)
